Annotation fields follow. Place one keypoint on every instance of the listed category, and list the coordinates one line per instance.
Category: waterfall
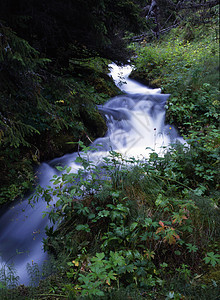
(136, 126)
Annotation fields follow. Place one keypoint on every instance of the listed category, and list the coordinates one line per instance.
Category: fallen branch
(141, 37)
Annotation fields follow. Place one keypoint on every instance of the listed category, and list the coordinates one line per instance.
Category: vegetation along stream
(136, 126)
(109, 149)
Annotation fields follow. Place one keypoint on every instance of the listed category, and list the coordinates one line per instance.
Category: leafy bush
(129, 223)
(43, 108)
(188, 70)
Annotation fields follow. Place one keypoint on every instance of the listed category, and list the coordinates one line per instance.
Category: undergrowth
(188, 70)
(44, 106)
(130, 227)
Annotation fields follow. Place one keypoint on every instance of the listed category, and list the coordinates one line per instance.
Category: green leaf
(212, 258)
(83, 227)
(68, 169)
(115, 194)
(100, 255)
(133, 226)
(192, 248)
(59, 168)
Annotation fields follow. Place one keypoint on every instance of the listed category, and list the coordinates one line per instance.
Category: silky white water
(127, 85)
(136, 127)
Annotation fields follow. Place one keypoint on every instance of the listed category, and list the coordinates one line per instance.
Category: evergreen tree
(97, 24)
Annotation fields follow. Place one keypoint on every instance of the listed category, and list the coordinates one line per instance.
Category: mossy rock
(94, 123)
(52, 144)
(55, 144)
(104, 84)
(145, 78)
(156, 82)
(212, 275)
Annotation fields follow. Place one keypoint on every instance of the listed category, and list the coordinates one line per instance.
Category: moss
(156, 82)
(94, 123)
(145, 78)
(212, 275)
(17, 173)
(103, 84)
(57, 145)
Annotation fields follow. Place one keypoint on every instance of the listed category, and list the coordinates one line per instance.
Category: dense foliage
(189, 71)
(130, 228)
(51, 26)
(127, 228)
(148, 229)
(52, 75)
(42, 110)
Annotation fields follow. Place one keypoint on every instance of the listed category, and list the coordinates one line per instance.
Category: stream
(136, 127)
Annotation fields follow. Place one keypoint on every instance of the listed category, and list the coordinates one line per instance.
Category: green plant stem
(170, 179)
(53, 295)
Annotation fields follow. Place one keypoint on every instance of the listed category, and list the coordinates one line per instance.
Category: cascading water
(22, 230)
(135, 120)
